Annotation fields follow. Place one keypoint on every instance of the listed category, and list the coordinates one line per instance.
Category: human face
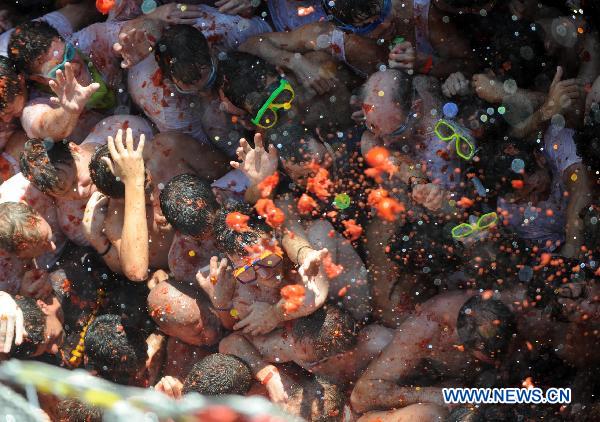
(43, 245)
(472, 10)
(75, 180)
(15, 108)
(54, 57)
(207, 79)
(54, 333)
(266, 277)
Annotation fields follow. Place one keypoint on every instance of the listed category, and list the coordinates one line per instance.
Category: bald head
(183, 312)
(386, 101)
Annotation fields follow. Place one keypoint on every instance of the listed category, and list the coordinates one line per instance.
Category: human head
(13, 92)
(244, 247)
(318, 400)
(105, 181)
(183, 55)
(388, 104)
(485, 327)
(473, 7)
(43, 322)
(326, 332)
(364, 17)
(247, 81)
(36, 48)
(181, 311)
(299, 147)
(188, 204)
(115, 350)
(57, 171)
(23, 232)
(72, 410)
(219, 374)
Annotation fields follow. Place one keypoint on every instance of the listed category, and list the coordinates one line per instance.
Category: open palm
(70, 95)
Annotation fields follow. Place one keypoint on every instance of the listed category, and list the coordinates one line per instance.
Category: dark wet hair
(10, 86)
(243, 79)
(587, 140)
(322, 400)
(105, 181)
(330, 330)
(219, 374)
(354, 11)
(34, 321)
(38, 164)
(188, 204)
(182, 52)
(233, 242)
(29, 42)
(18, 226)
(114, 349)
(293, 138)
(72, 410)
(486, 325)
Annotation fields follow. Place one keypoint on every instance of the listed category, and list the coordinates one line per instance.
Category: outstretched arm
(128, 164)
(380, 385)
(44, 121)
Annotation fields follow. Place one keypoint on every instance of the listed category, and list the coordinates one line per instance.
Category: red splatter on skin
(293, 295)
(267, 186)
(125, 125)
(66, 285)
(306, 204)
(157, 78)
(342, 292)
(320, 183)
(331, 233)
(517, 184)
(104, 6)
(353, 231)
(331, 269)
(267, 209)
(237, 221)
(367, 108)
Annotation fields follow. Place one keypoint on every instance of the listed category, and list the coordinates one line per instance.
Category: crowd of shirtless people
(343, 206)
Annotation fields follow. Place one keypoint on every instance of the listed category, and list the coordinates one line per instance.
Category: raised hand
(11, 323)
(456, 84)
(256, 163)
(262, 319)
(70, 95)
(218, 285)
(36, 284)
(133, 46)
(127, 162)
(313, 76)
(170, 386)
(403, 56)
(561, 96)
(429, 195)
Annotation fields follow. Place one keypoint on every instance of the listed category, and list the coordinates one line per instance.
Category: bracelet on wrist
(108, 248)
(300, 250)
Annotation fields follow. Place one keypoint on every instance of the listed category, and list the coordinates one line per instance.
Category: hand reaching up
(70, 95)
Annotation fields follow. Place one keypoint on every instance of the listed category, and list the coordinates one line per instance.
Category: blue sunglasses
(359, 30)
(69, 56)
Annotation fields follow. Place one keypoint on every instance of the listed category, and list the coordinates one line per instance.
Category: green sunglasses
(465, 229)
(266, 117)
(446, 132)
